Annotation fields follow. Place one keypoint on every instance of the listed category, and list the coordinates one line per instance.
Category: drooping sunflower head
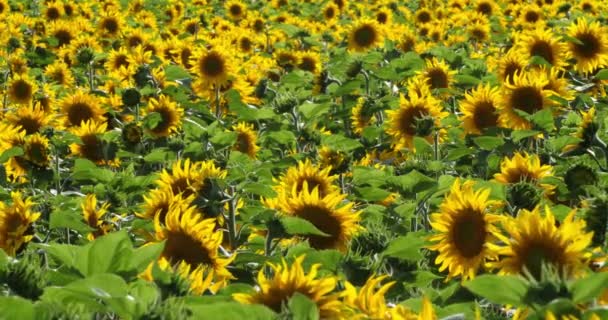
(480, 109)
(80, 107)
(339, 222)
(526, 93)
(15, 223)
(94, 216)
(246, 140)
(170, 114)
(533, 240)
(287, 281)
(523, 167)
(36, 150)
(542, 43)
(21, 89)
(306, 176)
(416, 117)
(591, 46)
(30, 118)
(191, 239)
(364, 35)
(464, 229)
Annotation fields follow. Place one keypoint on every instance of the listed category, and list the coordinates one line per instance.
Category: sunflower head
(464, 229)
(92, 147)
(15, 223)
(306, 176)
(364, 35)
(437, 74)
(288, 280)
(235, 9)
(81, 107)
(21, 89)
(527, 93)
(591, 46)
(30, 118)
(246, 140)
(523, 167)
(36, 150)
(534, 240)
(212, 67)
(170, 116)
(542, 43)
(94, 216)
(369, 300)
(480, 109)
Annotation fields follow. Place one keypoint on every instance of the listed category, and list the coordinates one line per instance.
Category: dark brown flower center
(212, 65)
(544, 50)
(469, 233)
(322, 219)
(485, 115)
(589, 46)
(528, 99)
(365, 36)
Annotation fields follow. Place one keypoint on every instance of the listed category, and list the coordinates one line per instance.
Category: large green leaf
(587, 288)
(502, 289)
(299, 226)
(302, 308)
(407, 247)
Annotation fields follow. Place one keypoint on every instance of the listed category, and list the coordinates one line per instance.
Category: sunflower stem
(218, 107)
(232, 218)
(366, 76)
(91, 77)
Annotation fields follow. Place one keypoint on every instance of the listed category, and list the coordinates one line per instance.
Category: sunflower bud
(261, 88)
(25, 277)
(524, 195)
(578, 176)
(597, 219)
(356, 269)
(85, 55)
(285, 103)
(354, 68)
(131, 97)
(13, 44)
(132, 133)
(142, 76)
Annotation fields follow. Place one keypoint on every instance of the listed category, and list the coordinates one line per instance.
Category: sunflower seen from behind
(464, 227)
(275, 292)
(533, 240)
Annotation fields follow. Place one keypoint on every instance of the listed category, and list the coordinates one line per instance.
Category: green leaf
(340, 143)
(229, 311)
(422, 146)
(69, 219)
(299, 226)
(466, 80)
(17, 308)
(224, 139)
(152, 120)
(518, 135)
(313, 110)
(87, 170)
(245, 112)
(602, 75)
(175, 72)
(372, 193)
(348, 87)
(585, 289)
(544, 120)
(488, 143)
(143, 256)
(12, 152)
(502, 289)
(282, 137)
(302, 308)
(407, 247)
(111, 253)
(414, 182)
(159, 155)
(458, 153)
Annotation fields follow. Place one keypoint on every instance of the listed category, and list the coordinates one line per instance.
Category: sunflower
(585, 132)
(437, 74)
(246, 140)
(190, 239)
(531, 17)
(542, 43)
(339, 223)
(63, 31)
(480, 109)
(423, 15)
(384, 16)
(120, 62)
(93, 216)
(30, 118)
(189, 178)
(80, 107)
(465, 228)
(158, 202)
(369, 302)
(330, 13)
(479, 32)
(486, 7)
(288, 280)
(591, 47)
(523, 167)
(170, 116)
(364, 34)
(309, 61)
(60, 73)
(21, 89)
(361, 117)
(16, 223)
(510, 64)
(53, 11)
(334, 159)
(235, 9)
(36, 150)
(533, 240)
(212, 67)
(92, 147)
(110, 24)
(525, 93)
(416, 117)
(306, 174)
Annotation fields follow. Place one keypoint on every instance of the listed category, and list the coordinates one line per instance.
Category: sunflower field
(304, 159)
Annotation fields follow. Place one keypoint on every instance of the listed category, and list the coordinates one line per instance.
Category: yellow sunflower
(542, 43)
(585, 131)
(437, 74)
(361, 118)
(288, 280)
(15, 223)
(523, 167)
(36, 150)
(526, 93)
(212, 67)
(591, 48)
(330, 13)
(170, 113)
(80, 107)
(189, 178)
(94, 216)
(339, 222)
(416, 117)
(309, 175)
(192, 240)
(158, 202)
(60, 73)
(309, 61)
(92, 146)
(369, 302)
(480, 109)
(30, 118)
(21, 89)
(364, 35)
(246, 140)
(509, 65)
(235, 9)
(465, 227)
(110, 24)
(533, 240)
